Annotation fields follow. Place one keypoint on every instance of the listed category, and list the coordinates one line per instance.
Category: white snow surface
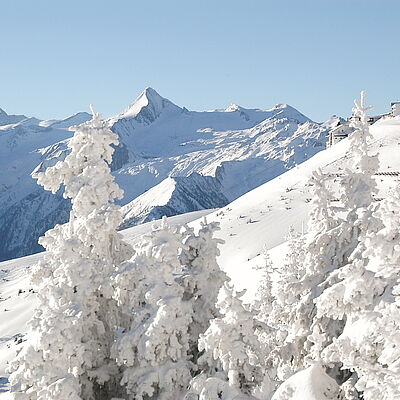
(310, 384)
(259, 219)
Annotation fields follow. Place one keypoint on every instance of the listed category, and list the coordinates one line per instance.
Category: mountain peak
(233, 107)
(151, 94)
(149, 103)
(283, 106)
(6, 119)
(287, 111)
(72, 120)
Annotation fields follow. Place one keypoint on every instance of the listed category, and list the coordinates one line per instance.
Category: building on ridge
(343, 129)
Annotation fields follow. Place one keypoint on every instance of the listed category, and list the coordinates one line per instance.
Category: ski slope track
(256, 221)
(189, 160)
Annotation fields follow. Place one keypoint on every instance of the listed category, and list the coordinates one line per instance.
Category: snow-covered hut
(395, 108)
(339, 132)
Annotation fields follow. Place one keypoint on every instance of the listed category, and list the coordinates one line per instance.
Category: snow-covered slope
(74, 119)
(258, 219)
(261, 218)
(173, 196)
(235, 150)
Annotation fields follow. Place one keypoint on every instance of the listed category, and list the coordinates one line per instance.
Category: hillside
(237, 149)
(173, 196)
(258, 219)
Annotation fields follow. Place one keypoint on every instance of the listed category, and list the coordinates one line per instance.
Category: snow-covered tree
(67, 355)
(331, 286)
(214, 388)
(308, 266)
(281, 301)
(284, 281)
(353, 292)
(167, 292)
(351, 287)
(232, 352)
(265, 307)
(356, 285)
(264, 298)
(153, 348)
(201, 278)
(370, 342)
(358, 183)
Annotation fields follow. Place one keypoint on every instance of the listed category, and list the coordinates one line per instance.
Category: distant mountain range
(169, 161)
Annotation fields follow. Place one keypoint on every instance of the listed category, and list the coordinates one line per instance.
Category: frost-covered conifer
(232, 348)
(284, 296)
(167, 292)
(340, 282)
(67, 355)
(285, 280)
(153, 349)
(357, 285)
(264, 297)
(354, 292)
(305, 275)
(358, 183)
(370, 342)
(268, 332)
(201, 278)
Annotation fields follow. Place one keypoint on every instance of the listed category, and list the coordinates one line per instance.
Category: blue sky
(59, 56)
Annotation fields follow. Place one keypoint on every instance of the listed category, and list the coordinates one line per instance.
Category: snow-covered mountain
(6, 119)
(190, 160)
(26, 209)
(173, 196)
(257, 220)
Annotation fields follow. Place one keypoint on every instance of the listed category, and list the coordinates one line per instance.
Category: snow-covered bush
(68, 352)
